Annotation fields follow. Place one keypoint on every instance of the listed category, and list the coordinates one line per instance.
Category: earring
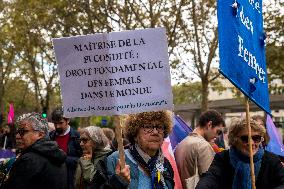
(262, 139)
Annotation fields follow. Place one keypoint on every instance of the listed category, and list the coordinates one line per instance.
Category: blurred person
(109, 133)
(195, 151)
(222, 139)
(94, 145)
(79, 129)
(125, 143)
(40, 163)
(67, 139)
(231, 168)
(262, 121)
(8, 140)
(148, 167)
(51, 127)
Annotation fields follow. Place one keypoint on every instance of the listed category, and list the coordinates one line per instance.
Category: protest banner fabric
(179, 132)
(242, 48)
(274, 145)
(167, 150)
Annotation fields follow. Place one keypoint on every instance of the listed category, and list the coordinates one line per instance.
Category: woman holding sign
(149, 169)
(231, 168)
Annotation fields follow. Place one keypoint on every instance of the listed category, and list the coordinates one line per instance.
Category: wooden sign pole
(250, 145)
(119, 139)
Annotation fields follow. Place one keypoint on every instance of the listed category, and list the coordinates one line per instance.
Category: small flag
(179, 132)
(275, 145)
(10, 118)
(168, 153)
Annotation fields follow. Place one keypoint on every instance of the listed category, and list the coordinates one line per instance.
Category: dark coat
(42, 165)
(102, 180)
(221, 173)
(74, 152)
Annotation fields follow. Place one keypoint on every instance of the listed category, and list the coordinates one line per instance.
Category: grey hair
(237, 125)
(37, 122)
(97, 136)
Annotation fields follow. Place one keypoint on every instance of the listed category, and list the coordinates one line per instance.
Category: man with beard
(40, 162)
(194, 154)
(68, 140)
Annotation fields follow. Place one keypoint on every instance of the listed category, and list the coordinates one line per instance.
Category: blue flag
(275, 145)
(242, 48)
(179, 132)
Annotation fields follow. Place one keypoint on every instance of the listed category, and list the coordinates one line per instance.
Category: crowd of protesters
(214, 156)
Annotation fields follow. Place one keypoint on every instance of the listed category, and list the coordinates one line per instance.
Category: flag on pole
(275, 145)
(169, 154)
(11, 115)
(179, 132)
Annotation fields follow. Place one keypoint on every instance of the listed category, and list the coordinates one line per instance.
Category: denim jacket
(134, 170)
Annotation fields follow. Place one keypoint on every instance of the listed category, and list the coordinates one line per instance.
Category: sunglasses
(150, 128)
(22, 132)
(255, 138)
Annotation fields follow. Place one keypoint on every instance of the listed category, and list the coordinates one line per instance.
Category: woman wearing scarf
(231, 168)
(149, 169)
(94, 145)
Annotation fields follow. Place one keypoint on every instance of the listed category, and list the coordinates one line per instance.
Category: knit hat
(38, 123)
(97, 136)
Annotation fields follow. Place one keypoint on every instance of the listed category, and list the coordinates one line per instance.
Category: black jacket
(221, 173)
(102, 180)
(74, 152)
(42, 165)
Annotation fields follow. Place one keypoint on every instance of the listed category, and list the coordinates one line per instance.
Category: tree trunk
(47, 99)
(205, 92)
(1, 87)
(34, 76)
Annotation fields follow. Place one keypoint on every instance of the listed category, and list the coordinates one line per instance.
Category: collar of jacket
(73, 134)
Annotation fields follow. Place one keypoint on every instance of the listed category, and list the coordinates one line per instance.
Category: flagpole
(5, 141)
(250, 145)
(119, 139)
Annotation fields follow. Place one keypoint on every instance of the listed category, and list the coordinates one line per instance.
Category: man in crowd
(68, 140)
(40, 163)
(8, 137)
(195, 150)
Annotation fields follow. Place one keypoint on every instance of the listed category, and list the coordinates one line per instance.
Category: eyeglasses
(150, 128)
(22, 132)
(84, 140)
(255, 138)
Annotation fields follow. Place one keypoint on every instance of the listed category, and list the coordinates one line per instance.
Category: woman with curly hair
(231, 168)
(148, 167)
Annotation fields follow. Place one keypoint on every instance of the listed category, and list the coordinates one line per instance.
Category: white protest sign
(114, 73)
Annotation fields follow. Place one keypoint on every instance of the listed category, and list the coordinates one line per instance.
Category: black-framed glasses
(150, 128)
(84, 140)
(255, 138)
(22, 132)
